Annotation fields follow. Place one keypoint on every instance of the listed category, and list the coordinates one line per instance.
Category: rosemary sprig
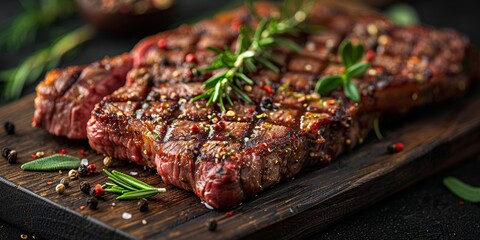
(462, 190)
(129, 187)
(251, 51)
(32, 67)
(350, 56)
(24, 28)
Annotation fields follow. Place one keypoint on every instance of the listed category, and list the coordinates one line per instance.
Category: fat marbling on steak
(225, 158)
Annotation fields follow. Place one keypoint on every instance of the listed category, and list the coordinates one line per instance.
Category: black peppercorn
(85, 187)
(212, 225)
(92, 192)
(9, 128)
(12, 156)
(5, 152)
(143, 205)
(92, 203)
(267, 104)
(82, 170)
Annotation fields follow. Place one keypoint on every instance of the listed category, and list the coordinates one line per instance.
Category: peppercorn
(65, 182)
(143, 205)
(60, 188)
(92, 192)
(9, 127)
(92, 202)
(107, 161)
(85, 187)
(219, 126)
(73, 174)
(99, 191)
(82, 170)
(212, 225)
(267, 104)
(91, 168)
(12, 157)
(5, 152)
(394, 148)
(190, 58)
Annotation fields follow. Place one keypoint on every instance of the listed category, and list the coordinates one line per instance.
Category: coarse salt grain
(84, 162)
(134, 173)
(144, 222)
(126, 215)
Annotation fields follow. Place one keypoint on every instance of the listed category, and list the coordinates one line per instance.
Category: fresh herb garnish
(350, 55)
(31, 68)
(52, 163)
(251, 50)
(129, 187)
(462, 190)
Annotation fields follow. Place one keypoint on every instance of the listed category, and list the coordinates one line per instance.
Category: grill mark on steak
(299, 129)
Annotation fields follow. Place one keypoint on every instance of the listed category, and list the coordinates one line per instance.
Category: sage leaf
(462, 190)
(351, 90)
(357, 70)
(345, 52)
(52, 163)
(328, 84)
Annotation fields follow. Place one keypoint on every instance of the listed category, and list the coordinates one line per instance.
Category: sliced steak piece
(225, 158)
(67, 96)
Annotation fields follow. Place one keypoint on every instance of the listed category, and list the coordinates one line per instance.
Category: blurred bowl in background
(127, 16)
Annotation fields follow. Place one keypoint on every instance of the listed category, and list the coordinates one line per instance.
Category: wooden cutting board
(434, 137)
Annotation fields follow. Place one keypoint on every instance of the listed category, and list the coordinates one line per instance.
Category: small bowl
(127, 16)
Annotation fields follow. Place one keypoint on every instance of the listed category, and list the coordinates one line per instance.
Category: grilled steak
(225, 158)
(67, 96)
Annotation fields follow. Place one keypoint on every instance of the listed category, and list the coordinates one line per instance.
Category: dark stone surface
(426, 210)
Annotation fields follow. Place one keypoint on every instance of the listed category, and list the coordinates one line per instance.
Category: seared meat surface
(225, 158)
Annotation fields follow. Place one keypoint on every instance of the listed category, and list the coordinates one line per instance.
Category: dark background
(426, 210)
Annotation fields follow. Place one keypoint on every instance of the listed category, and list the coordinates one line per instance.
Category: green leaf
(216, 93)
(403, 14)
(328, 84)
(244, 78)
(139, 194)
(131, 180)
(213, 80)
(357, 70)
(241, 94)
(270, 66)
(351, 90)
(345, 52)
(357, 53)
(288, 44)
(52, 163)
(462, 190)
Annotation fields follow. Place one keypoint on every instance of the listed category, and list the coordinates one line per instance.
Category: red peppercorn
(34, 156)
(228, 214)
(294, 137)
(162, 43)
(236, 24)
(267, 88)
(189, 74)
(99, 191)
(396, 147)
(194, 128)
(82, 151)
(219, 126)
(63, 151)
(91, 168)
(370, 55)
(250, 110)
(190, 58)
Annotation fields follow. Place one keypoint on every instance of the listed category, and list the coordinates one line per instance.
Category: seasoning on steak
(67, 96)
(225, 158)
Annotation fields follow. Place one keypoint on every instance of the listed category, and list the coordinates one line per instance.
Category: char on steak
(225, 158)
(66, 97)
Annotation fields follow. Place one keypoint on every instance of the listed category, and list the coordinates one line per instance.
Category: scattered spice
(126, 215)
(51, 163)
(228, 214)
(82, 207)
(39, 154)
(107, 161)
(194, 128)
(134, 173)
(82, 170)
(394, 148)
(9, 128)
(5, 152)
(73, 174)
(12, 157)
(97, 191)
(92, 202)
(33, 156)
(23, 236)
(190, 58)
(144, 222)
(142, 205)
(91, 168)
(60, 188)
(85, 187)
(84, 161)
(65, 182)
(49, 183)
(219, 126)
(82, 152)
(63, 151)
(212, 225)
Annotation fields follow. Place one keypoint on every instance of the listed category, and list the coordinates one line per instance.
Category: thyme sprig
(36, 14)
(252, 50)
(44, 59)
(350, 55)
(129, 187)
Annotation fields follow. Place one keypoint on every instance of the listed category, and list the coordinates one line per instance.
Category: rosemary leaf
(139, 194)
(133, 181)
(462, 190)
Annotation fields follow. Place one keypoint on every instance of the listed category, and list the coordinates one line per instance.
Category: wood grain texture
(434, 138)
